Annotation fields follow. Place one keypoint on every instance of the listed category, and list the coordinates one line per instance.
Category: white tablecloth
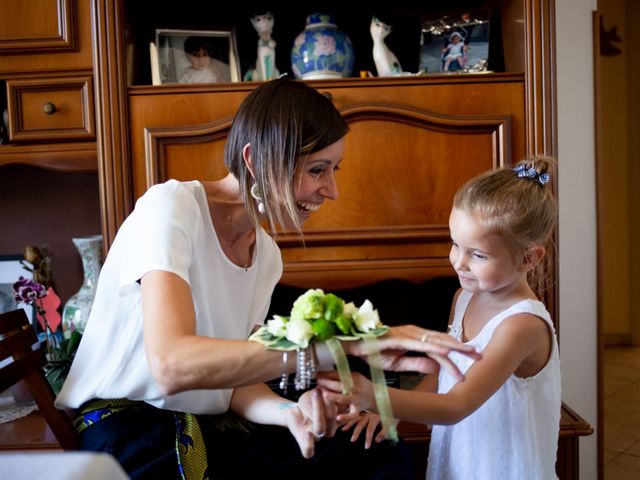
(60, 466)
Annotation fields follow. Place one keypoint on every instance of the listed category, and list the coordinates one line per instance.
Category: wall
(614, 197)
(633, 80)
(44, 207)
(577, 229)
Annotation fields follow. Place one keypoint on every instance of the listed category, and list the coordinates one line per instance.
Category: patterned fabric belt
(191, 451)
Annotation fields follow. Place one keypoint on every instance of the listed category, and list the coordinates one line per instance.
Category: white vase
(76, 311)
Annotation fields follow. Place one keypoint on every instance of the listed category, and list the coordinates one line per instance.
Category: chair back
(18, 342)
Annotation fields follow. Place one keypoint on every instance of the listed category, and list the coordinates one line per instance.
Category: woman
(189, 275)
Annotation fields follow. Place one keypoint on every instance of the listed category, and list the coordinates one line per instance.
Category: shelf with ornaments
(402, 24)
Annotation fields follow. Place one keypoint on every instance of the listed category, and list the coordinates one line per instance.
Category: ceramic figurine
(266, 59)
(387, 63)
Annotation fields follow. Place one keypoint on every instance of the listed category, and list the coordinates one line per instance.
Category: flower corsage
(325, 317)
(319, 316)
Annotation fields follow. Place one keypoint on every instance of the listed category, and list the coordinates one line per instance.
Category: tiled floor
(621, 413)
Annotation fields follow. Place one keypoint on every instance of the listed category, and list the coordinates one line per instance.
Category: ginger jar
(321, 51)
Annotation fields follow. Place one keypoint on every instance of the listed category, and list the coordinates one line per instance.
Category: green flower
(323, 329)
(308, 306)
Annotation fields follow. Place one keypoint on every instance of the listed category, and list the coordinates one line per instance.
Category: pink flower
(27, 291)
(324, 45)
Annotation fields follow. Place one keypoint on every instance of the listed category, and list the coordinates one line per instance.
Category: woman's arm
(306, 420)
(180, 360)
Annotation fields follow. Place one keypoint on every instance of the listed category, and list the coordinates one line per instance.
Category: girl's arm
(514, 344)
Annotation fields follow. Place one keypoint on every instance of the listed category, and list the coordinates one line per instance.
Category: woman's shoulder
(170, 195)
(172, 187)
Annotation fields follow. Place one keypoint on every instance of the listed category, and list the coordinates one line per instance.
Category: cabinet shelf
(142, 18)
(65, 157)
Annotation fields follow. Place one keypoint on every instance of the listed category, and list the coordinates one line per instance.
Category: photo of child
(456, 42)
(194, 56)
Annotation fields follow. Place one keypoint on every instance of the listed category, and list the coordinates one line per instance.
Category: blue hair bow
(522, 171)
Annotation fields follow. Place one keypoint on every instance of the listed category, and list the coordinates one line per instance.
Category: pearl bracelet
(305, 369)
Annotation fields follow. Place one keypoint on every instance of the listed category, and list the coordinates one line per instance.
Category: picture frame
(11, 269)
(456, 42)
(170, 62)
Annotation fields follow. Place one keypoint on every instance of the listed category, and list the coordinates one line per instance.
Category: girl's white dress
(514, 434)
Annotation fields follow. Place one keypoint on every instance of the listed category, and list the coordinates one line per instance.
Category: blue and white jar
(321, 51)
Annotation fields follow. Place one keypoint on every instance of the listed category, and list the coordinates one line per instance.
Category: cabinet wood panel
(37, 35)
(408, 150)
(53, 27)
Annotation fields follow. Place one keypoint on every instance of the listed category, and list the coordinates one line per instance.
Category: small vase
(76, 310)
(321, 50)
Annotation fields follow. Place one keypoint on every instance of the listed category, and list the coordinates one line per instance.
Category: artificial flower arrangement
(325, 317)
(61, 348)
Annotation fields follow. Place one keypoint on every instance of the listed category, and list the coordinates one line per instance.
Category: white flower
(366, 318)
(277, 326)
(349, 310)
(299, 332)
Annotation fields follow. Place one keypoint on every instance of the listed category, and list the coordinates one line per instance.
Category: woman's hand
(399, 340)
(368, 423)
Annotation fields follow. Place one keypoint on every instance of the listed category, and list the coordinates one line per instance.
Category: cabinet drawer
(51, 109)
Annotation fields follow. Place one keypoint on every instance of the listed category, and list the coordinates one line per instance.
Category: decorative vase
(321, 50)
(76, 310)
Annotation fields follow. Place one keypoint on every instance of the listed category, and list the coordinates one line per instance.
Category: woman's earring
(256, 195)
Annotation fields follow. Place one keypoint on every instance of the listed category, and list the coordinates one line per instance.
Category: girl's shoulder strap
(461, 303)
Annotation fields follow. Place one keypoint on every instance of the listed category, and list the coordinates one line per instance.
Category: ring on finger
(318, 436)
(425, 337)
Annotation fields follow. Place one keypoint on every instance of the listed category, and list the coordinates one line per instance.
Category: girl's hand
(399, 340)
(367, 422)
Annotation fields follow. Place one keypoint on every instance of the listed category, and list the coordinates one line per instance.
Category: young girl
(456, 51)
(502, 421)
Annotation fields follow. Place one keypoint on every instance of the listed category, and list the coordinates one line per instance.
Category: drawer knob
(49, 108)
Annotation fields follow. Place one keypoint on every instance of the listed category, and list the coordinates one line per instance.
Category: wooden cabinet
(46, 73)
(123, 74)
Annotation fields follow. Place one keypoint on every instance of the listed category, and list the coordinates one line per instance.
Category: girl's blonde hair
(517, 204)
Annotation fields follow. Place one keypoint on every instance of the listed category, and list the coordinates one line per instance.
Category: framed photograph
(455, 43)
(194, 56)
(11, 270)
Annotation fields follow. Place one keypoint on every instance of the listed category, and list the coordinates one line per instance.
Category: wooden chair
(18, 341)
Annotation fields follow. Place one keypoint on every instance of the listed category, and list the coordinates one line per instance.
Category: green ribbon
(377, 378)
(380, 388)
(342, 364)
